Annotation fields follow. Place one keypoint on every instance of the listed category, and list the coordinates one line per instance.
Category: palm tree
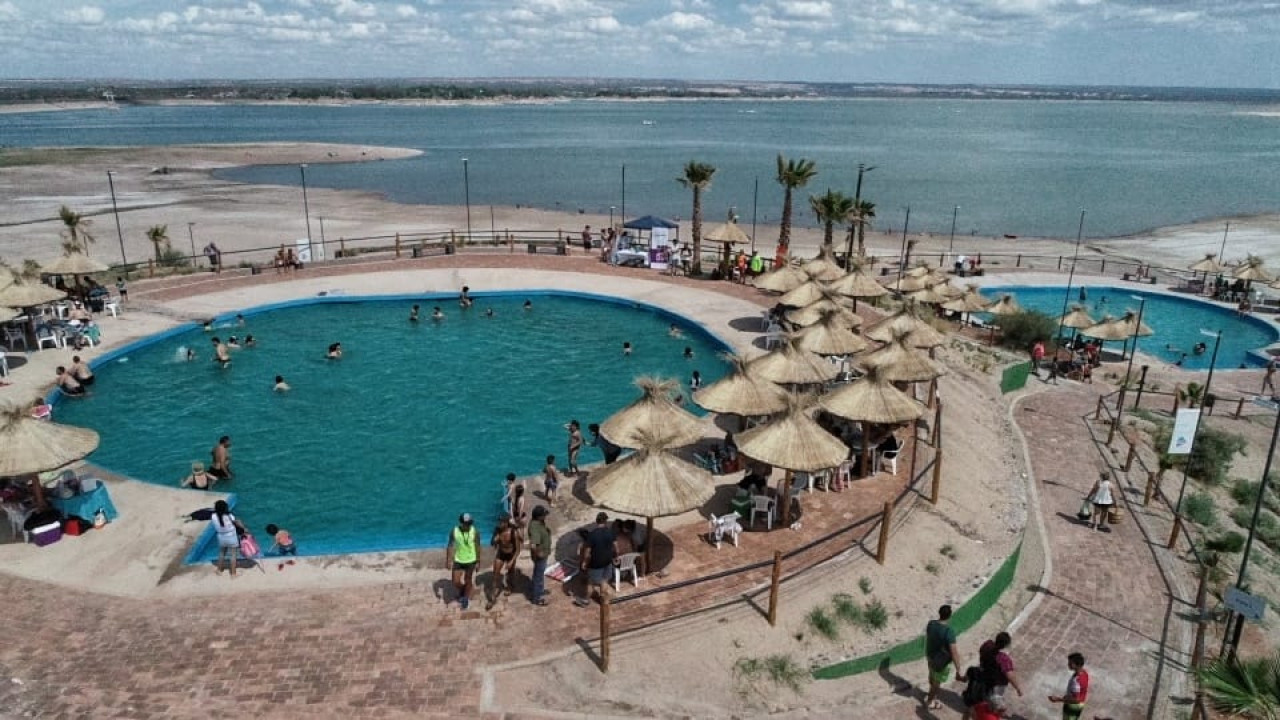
(861, 218)
(1244, 688)
(698, 177)
(830, 208)
(792, 174)
(76, 237)
(159, 237)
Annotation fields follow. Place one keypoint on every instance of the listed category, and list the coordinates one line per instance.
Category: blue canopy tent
(658, 257)
(649, 222)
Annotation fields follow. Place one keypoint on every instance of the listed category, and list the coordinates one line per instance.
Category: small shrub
(846, 609)
(170, 257)
(948, 551)
(1211, 457)
(780, 669)
(875, 616)
(1244, 491)
(864, 584)
(1199, 509)
(1020, 331)
(822, 623)
(931, 567)
(1229, 542)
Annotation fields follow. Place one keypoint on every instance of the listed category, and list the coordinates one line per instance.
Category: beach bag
(249, 547)
(1115, 515)
(1086, 509)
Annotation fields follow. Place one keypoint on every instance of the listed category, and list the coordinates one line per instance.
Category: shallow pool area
(1177, 322)
(418, 422)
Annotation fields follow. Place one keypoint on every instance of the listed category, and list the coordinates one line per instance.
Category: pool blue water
(1177, 322)
(382, 449)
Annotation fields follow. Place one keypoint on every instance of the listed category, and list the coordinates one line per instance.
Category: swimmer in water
(335, 351)
(281, 385)
(437, 314)
(688, 353)
(250, 342)
(208, 326)
(239, 320)
(488, 312)
(674, 331)
(528, 304)
(233, 342)
(1200, 348)
(413, 314)
(220, 353)
(626, 349)
(464, 299)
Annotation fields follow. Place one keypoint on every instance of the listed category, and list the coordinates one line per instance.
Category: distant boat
(648, 122)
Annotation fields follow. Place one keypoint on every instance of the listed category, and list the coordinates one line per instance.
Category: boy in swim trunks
(506, 540)
(550, 480)
(221, 466)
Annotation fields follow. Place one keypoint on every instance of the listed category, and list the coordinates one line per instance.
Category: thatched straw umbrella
(928, 296)
(789, 365)
(654, 417)
(741, 393)
(74, 263)
(831, 335)
(898, 362)
(1077, 318)
(8, 313)
(812, 313)
(869, 400)
(783, 279)
(824, 267)
(908, 319)
(29, 446)
(651, 482)
(1133, 328)
(858, 284)
(970, 301)
(793, 442)
(806, 294)
(1006, 305)
(727, 234)
(1208, 265)
(907, 283)
(23, 292)
(1251, 269)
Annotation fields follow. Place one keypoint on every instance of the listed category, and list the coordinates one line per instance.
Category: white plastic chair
(762, 504)
(891, 455)
(113, 307)
(774, 339)
(626, 563)
(17, 518)
(4, 365)
(13, 336)
(766, 319)
(46, 334)
(725, 525)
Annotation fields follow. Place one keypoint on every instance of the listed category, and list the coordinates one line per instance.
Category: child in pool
(283, 544)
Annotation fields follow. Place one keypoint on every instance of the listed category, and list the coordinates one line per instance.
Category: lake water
(1018, 167)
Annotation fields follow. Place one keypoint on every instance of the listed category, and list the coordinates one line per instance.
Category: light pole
(952, 243)
(857, 207)
(902, 255)
(1253, 526)
(1222, 250)
(306, 210)
(755, 201)
(1195, 432)
(192, 237)
(115, 210)
(466, 190)
(321, 231)
(623, 218)
(1142, 305)
(611, 209)
(1066, 297)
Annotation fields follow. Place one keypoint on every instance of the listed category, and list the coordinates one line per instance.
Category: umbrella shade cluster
(783, 279)
(831, 335)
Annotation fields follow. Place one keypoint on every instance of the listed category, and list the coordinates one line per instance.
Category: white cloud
(806, 9)
(9, 11)
(406, 11)
(685, 21)
(85, 15)
(344, 8)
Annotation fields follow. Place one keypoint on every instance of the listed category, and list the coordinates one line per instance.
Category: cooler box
(73, 527)
(47, 534)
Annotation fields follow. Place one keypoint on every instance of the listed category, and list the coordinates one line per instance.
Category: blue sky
(1224, 43)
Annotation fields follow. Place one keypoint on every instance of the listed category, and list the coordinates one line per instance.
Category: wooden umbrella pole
(915, 443)
(866, 447)
(648, 544)
(37, 492)
(786, 499)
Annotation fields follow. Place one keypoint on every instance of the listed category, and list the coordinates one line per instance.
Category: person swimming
(437, 314)
(626, 349)
(688, 353)
(1200, 348)
(674, 331)
(250, 342)
(413, 314)
(528, 304)
(239, 320)
(233, 342)
(488, 312)
(220, 353)
(464, 298)
(335, 351)
(281, 385)
(208, 326)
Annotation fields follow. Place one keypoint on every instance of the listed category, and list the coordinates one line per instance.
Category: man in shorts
(506, 541)
(941, 654)
(461, 557)
(596, 555)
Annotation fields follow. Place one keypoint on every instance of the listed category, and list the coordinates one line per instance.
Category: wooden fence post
(1177, 398)
(1097, 411)
(1059, 262)
(1177, 528)
(511, 241)
(1151, 488)
(1019, 261)
(397, 246)
(773, 587)
(1111, 434)
(151, 268)
(1104, 266)
(1128, 459)
(604, 632)
(1239, 408)
(886, 518)
(342, 246)
(936, 489)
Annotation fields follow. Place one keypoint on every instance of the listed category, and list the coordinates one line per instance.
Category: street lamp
(857, 207)
(611, 209)
(321, 231)
(1253, 526)
(1142, 305)
(1066, 297)
(306, 210)
(1195, 432)
(192, 237)
(952, 244)
(115, 210)
(902, 255)
(466, 189)
(755, 201)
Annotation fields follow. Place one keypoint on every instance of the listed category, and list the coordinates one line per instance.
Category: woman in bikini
(506, 540)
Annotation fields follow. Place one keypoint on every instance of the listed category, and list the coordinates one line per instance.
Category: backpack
(977, 688)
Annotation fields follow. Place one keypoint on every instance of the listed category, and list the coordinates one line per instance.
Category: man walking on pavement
(539, 551)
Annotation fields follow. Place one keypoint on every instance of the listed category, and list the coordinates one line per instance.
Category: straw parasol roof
(654, 417)
(898, 362)
(1209, 264)
(928, 296)
(727, 233)
(806, 294)
(651, 482)
(908, 283)
(1251, 269)
(793, 442)
(1077, 318)
(858, 284)
(872, 398)
(824, 267)
(8, 313)
(920, 333)
(29, 446)
(74, 263)
(741, 392)
(831, 335)
(1107, 329)
(812, 313)
(1006, 305)
(918, 271)
(970, 302)
(1130, 321)
(24, 292)
(783, 279)
(789, 365)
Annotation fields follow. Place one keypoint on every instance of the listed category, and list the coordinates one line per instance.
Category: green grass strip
(911, 650)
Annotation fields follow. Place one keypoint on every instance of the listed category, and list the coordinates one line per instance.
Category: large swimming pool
(382, 449)
(1177, 322)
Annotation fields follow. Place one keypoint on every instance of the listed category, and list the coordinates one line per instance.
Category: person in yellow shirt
(461, 557)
